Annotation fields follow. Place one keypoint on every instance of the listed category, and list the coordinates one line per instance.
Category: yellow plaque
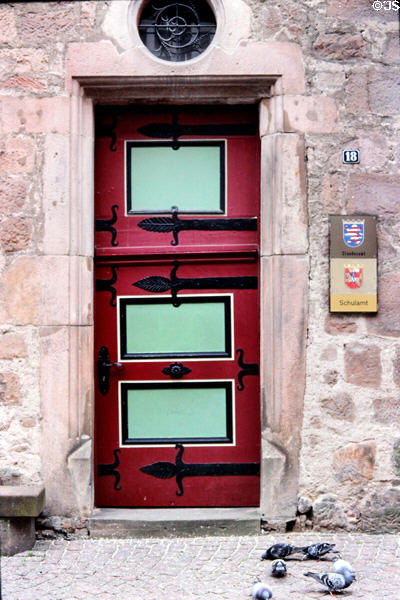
(354, 303)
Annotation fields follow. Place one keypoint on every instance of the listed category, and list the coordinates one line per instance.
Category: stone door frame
(265, 74)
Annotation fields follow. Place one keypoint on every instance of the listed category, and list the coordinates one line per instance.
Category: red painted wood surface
(201, 254)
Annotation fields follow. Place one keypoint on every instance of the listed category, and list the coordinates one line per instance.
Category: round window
(177, 31)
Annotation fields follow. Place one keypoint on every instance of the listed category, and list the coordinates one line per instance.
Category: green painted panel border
(220, 144)
(124, 302)
(227, 386)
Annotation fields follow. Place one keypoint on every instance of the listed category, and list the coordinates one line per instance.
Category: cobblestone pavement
(211, 568)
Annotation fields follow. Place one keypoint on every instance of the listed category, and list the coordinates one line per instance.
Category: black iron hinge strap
(179, 470)
(175, 225)
(157, 283)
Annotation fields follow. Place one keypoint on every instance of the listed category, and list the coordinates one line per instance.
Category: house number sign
(353, 263)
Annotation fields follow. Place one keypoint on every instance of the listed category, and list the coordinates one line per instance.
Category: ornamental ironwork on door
(176, 307)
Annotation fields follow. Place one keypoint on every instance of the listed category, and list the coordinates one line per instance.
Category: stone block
(373, 193)
(12, 345)
(328, 513)
(387, 322)
(29, 60)
(283, 195)
(27, 84)
(15, 234)
(8, 31)
(339, 46)
(363, 365)
(355, 462)
(17, 535)
(284, 318)
(387, 410)
(282, 59)
(340, 406)
(18, 156)
(35, 115)
(13, 195)
(40, 26)
(21, 500)
(310, 114)
(383, 90)
(80, 467)
(336, 325)
(10, 390)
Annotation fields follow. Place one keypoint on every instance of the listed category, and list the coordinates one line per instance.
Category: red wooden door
(176, 308)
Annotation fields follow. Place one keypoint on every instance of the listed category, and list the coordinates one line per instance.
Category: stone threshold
(173, 522)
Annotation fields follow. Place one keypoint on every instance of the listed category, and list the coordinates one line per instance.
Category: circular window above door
(177, 31)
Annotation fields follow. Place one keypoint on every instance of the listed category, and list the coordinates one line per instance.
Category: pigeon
(280, 551)
(278, 568)
(340, 566)
(318, 550)
(333, 581)
(261, 591)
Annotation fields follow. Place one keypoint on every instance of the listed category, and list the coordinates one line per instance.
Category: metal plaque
(353, 263)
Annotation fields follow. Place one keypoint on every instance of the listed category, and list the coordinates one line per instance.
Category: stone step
(173, 522)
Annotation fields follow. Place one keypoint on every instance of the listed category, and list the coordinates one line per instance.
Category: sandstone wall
(350, 459)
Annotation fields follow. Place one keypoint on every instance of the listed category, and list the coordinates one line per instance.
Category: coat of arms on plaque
(353, 276)
(353, 233)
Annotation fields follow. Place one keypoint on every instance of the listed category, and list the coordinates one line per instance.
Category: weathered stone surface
(15, 234)
(310, 114)
(356, 11)
(328, 513)
(8, 31)
(10, 391)
(387, 410)
(331, 377)
(335, 325)
(373, 193)
(363, 365)
(21, 500)
(29, 84)
(12, 345)
(17, 535)
(22, 287)
(332, 193)
(387, 321)
(357, 97)
(13, 194)
(18, 155)
(355, 462)
(383, 89)
(29, 60)
(340, 406)
(304, 505)
(40, 26)
(392, 48)
(34, 115)
(339, 46)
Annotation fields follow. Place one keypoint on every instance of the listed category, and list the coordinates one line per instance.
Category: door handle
(103, 369)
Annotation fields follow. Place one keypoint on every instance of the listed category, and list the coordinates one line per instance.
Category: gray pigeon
(333, 581)
(318, 550)
(281, 550)
(340, 565)
(261, 591)
(344, 568)
(278, 568)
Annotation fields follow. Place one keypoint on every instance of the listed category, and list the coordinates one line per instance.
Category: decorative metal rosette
(177, 31)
